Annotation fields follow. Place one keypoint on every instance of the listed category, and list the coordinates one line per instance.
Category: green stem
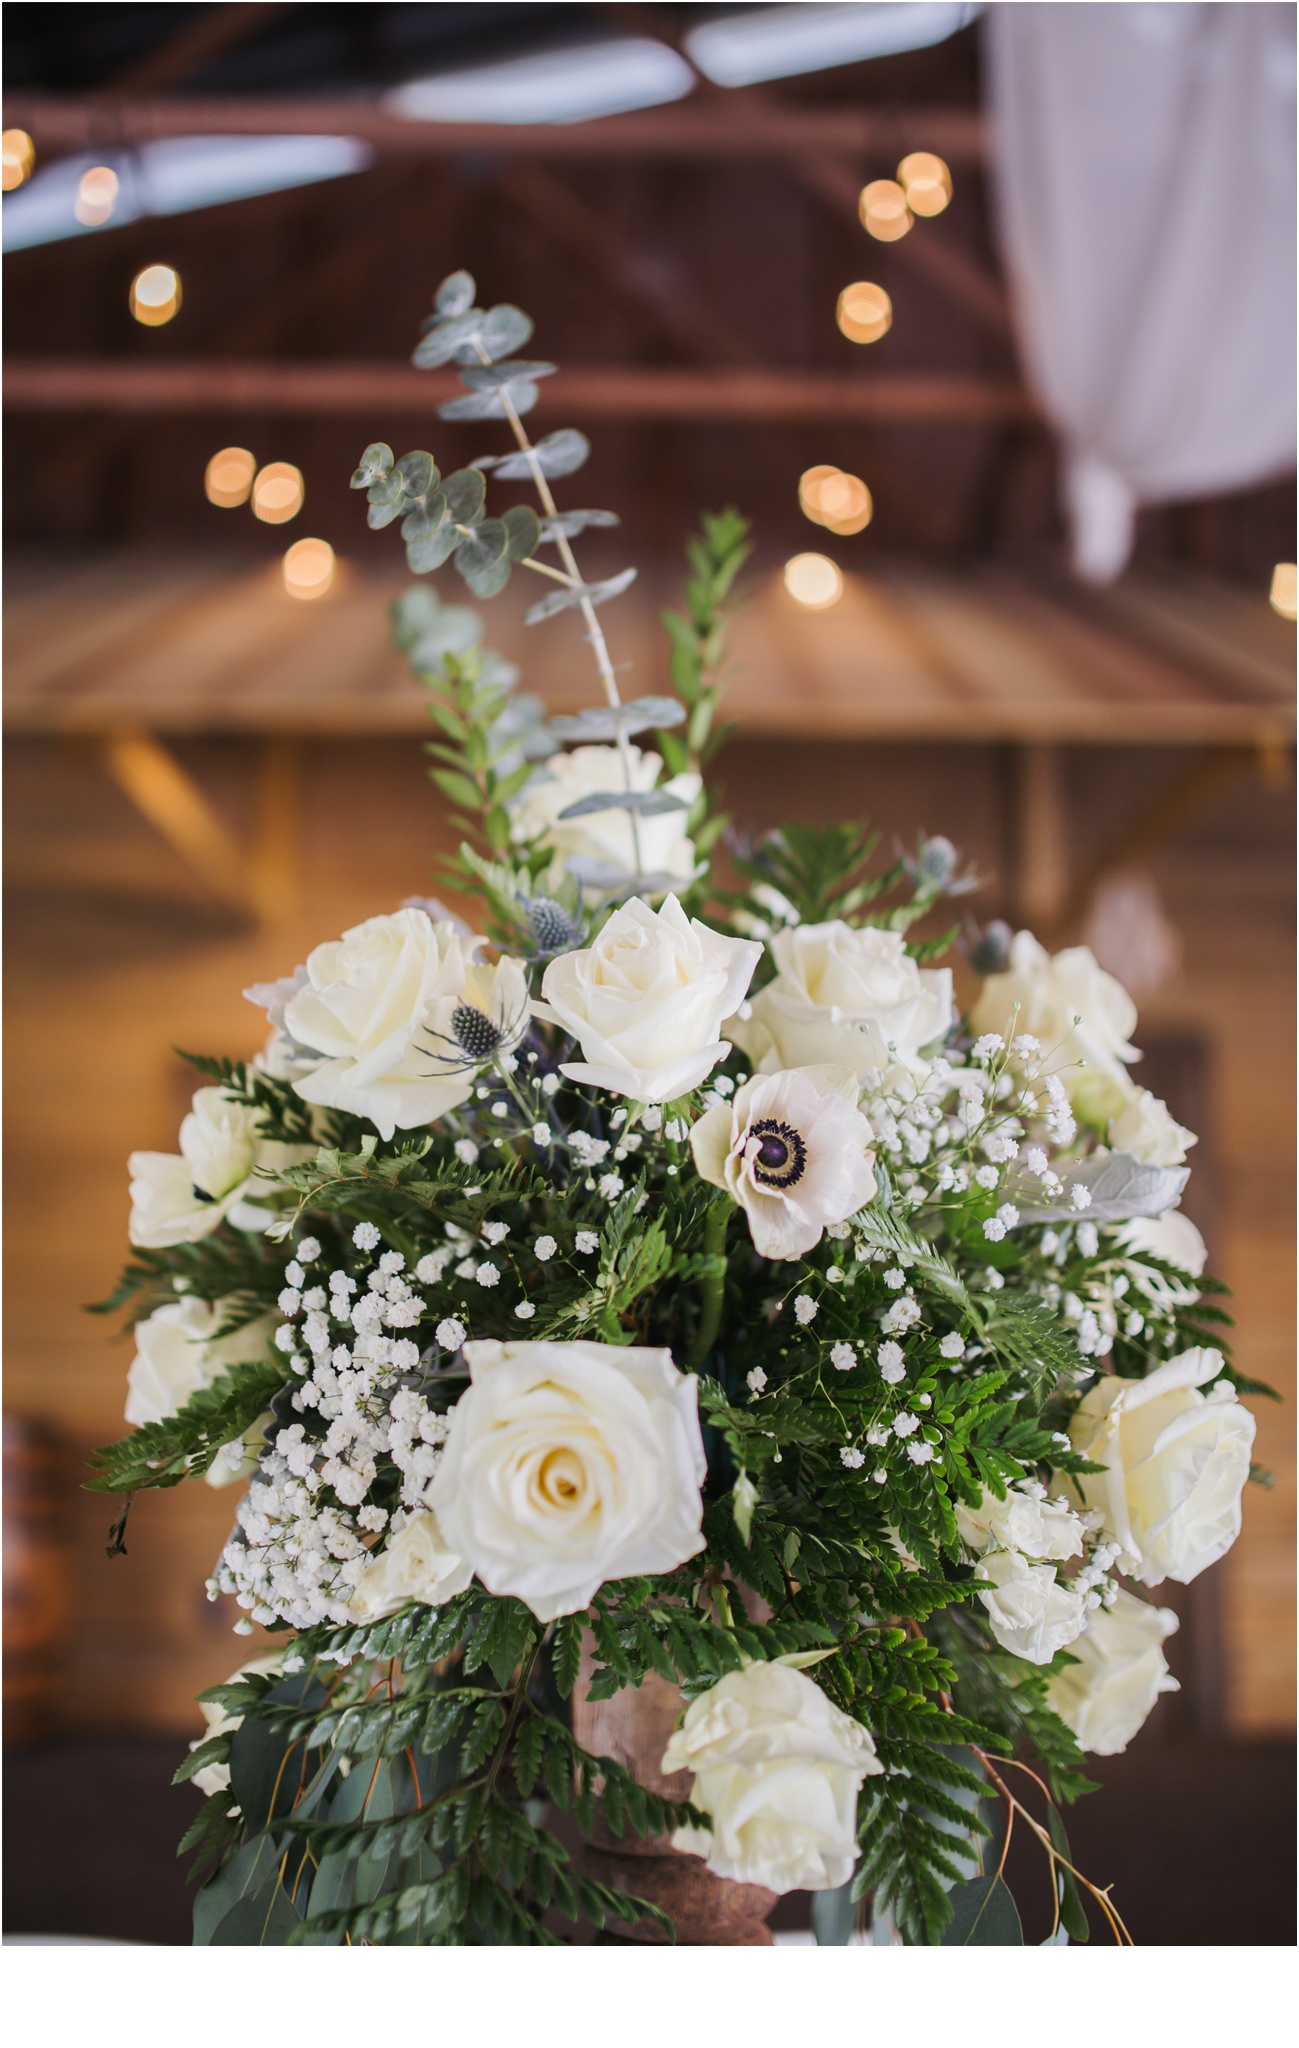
(710, 1306)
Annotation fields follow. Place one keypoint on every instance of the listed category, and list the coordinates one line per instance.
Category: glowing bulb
(155, 295)
(17, 158)
(832, 498)
(277, 493)
(884, 211)
(228, 478)
(308, 568)
(1284, 591)
(864, 312)
(814, 581)
(96, 196)
(926, 181)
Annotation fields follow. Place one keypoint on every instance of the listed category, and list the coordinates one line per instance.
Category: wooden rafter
(604, 391)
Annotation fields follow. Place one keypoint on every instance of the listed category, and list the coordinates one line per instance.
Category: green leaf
(250, 1871)
(1072, 1916)
(455, 294)
(265, 1919)
(465, 492)
(524, 531)
(375, 464)
(983, 1916)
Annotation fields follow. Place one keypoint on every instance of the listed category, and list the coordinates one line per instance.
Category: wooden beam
(595, 391)
(216, 30)
(712, 128)
(619, 266)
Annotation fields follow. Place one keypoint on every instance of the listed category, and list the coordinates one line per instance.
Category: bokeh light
(277, 493)
(864, 312)
(228, 478)
(926, 181)
(308, 568)
(17, 158)
(813, 581)
(832, 498)
(155, 295)
(1285, 589)
(883, 210)
(96, 196)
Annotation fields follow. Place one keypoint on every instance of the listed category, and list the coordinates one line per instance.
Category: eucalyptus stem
(714, 1290)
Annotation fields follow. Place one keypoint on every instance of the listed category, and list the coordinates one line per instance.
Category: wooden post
(1039, 837)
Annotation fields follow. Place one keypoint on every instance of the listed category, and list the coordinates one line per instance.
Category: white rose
(606, 836)
(1144, 1129)
(1176, 1464)
(845, 996)
(1051, 990)
(1175, 1238)
(777, 1769)
(570, 1464)
(215, 1777)
(647, 1000)
(1032, 1614)
(1121, 1671)
(415, 1566)
(406, 1015)
(176, 1198)
(178, 1352)
(794, 1151)
(1025, 1521)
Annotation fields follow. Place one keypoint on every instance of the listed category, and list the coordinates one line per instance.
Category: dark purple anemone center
(781, 1155)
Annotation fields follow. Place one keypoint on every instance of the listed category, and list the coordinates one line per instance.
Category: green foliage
(184, 1446)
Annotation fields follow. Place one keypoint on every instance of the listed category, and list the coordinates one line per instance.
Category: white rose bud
(848, 997)
(646, 1002)
(178, 1352)
(777, 1769)
(570, 1464)
(215, 1777)
(1051, 990)
(417, 1565)
(1032, 1614)
(1144, 1128)
(606, 836)
(1176, 1464)
(1038, 1528)
(405, 1014)
(794, 1151)
(1121, 1671)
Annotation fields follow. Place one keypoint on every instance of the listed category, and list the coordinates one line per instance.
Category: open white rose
(777, 1769)
(1025, 1521)
(606, 836)
(1032, 1614)
(1051, 990)
(1175, 1238)
(647, 1000)
(794, 1151)
(176, 1198)
(1121, 1671)
(570, 1464)
(848, 997)
(178, 1352)
(1175, 1463)
(215, 1777)
(405, 1015)
(415, 1566)
(1144, 1129)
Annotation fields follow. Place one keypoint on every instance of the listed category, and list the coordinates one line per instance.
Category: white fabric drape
(1144, 183)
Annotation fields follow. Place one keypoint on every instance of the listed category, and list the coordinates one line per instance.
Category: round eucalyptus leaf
(455, 294)
(465, 491)
(524, 529)
(505, 328)
(374, 464)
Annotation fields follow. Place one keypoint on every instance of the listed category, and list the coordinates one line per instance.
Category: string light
(96, 196)
(926, 181)
(308, 568)
(155, 295)
(17, 158)
(277, 493)
(883, 210)
(832, 498)
(228, 478)
(864, 312)
(1285, 589)
(813, 581)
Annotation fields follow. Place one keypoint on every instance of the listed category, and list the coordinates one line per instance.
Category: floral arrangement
(665, 1275)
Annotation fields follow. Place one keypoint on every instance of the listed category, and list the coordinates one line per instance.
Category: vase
(707, 1911)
